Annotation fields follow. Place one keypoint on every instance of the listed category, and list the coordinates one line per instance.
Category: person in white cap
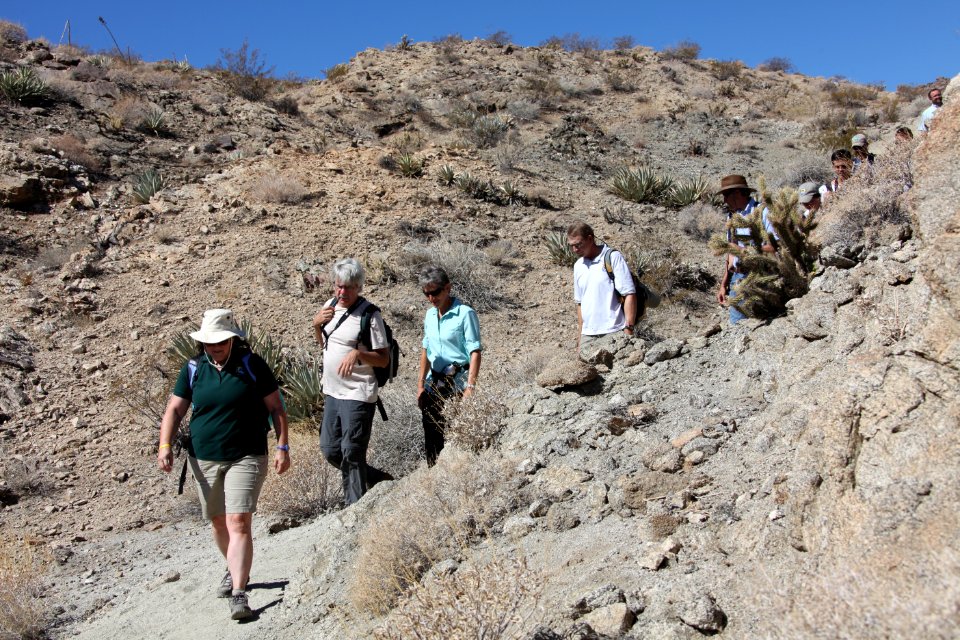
(808, 195)
(233, 394)
(861, 151)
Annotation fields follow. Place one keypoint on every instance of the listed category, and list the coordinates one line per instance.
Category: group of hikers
(234, 395)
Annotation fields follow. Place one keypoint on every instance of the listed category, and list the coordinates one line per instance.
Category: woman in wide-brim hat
(234, 395)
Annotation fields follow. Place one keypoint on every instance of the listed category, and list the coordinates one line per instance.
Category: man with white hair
(350, 388)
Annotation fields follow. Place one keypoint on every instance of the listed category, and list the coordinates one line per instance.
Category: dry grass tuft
(278, 189)
(701, 220)
(473, 279)
(23, 614)
(495, 600)
(438, 512)
(310, 488)
(75, 150)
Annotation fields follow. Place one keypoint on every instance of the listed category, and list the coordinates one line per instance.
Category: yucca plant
(560, 252)
(23, 86)
(470, 184)
(446, 175)
(265, 346)
(153, 121)
(146, 185)
(303, 388)
(686, 192)
(182, 348)
(510, 193)
(409, 166)
(642, 185)
(772, 278)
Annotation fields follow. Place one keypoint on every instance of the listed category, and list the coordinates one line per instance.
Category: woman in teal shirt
(232, 392)
(450, 358)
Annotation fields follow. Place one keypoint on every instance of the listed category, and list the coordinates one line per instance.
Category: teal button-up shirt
(451, 338)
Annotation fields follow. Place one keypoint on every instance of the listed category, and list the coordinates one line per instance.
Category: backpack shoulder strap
(193, 366)
(246, 365)
(608, 263)
(366, 317)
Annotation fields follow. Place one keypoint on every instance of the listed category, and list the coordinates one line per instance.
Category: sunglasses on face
(216, 344)
(434, 293)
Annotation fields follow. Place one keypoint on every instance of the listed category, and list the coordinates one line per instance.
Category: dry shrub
(128, 111)
(776, 63)
(701, 220)
(278, 189)
(684, 50)
(311, 487)
(494, 600)
(833, 129)
(852, 95)
(726, 69)
(500, 251)
(906, 589)
(437, 512)
(23, 613)
(12, 32)
(871, 202)
(75, 150)
(806, 168)
(473, 280)
(741, 144)
(396, 446)
(474, 423)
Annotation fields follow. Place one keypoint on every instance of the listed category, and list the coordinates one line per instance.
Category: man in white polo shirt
(605, 305)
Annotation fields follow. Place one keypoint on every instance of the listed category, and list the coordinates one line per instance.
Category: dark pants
(344, 436)
(434, 422)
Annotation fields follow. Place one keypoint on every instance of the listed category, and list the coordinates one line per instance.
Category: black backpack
(389, 372)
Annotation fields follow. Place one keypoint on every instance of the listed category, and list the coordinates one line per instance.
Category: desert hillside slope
(787, 478)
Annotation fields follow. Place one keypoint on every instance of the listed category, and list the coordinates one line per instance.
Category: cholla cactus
(772, 278)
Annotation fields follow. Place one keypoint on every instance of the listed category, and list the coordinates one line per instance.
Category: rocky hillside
(782, 478)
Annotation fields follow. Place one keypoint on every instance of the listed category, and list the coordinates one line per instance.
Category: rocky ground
(775, 479)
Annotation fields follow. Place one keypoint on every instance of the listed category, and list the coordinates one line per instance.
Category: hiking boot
(225, 588)
(239, 606)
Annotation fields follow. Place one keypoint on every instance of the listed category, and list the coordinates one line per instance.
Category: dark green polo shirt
(229, 417)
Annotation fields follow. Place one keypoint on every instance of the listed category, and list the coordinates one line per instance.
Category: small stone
(539, 508)
(703, 614)
(518, 526)
(204, 229)
(613, 620)
(696, 457)
(653, 561)
(686, 436)
(643, 412)
(170, 576)
(122, 476)
(528, 467)
(775, 515)
(78, 348)
(670, 545)
(696, 517)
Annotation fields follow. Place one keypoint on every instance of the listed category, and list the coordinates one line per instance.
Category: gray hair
(348, 271)
(433, 275)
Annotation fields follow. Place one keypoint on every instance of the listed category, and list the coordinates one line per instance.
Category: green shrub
(642, 185)
(559, 250)
(303, 387)
(487, 131)
(146, 185)
(510, 193)
(23, 86)
(153, 122)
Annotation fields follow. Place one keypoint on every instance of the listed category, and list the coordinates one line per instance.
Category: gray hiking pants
(344, 436)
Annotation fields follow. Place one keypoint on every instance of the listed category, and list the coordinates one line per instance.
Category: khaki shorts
(229, 487)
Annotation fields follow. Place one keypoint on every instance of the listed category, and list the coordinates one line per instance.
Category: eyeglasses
(216, 344)
(576, 245)
(434, 293)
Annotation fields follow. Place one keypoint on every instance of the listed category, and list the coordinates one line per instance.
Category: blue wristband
(283, 447)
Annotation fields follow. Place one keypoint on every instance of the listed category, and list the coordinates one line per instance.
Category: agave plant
(560, 252)
(153, 122)
(265, 346)
(409, 166)
(146, 185)
(446, 175)
(642, 185)
(182, 348)
(510, 193)
(23, 86)
(686, 192)
(303, 387)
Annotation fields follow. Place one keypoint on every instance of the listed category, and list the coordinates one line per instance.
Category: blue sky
(866, 41)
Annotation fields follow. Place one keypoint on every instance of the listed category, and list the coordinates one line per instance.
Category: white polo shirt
(593, 290)
(361, 384)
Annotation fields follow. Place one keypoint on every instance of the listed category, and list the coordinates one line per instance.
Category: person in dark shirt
(233, 393)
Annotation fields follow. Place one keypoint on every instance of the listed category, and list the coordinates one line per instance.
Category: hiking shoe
(225, 588)
(239, 606)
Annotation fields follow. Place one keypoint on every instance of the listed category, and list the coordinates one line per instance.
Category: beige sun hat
(217, 325)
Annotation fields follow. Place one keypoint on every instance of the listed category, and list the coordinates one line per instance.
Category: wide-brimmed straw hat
(729, 183)
(217, 325)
